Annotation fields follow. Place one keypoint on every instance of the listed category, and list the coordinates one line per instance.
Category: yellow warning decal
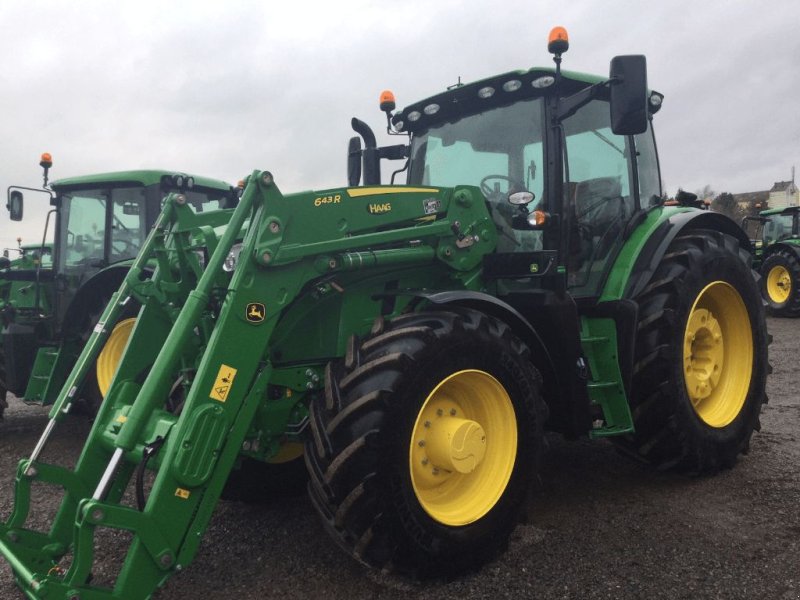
(223, 383)
(121, 419)
(373, 191)
(182, 493)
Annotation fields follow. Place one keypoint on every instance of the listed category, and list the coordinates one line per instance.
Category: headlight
(233, 257)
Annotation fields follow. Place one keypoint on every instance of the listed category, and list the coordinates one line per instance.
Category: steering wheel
(489, 191)
(123, 246)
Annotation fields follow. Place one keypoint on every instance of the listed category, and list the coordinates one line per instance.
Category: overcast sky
(220, 89)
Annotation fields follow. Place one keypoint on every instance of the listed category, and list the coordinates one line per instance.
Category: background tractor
(417, 339)
(53, 293)
(777, 257)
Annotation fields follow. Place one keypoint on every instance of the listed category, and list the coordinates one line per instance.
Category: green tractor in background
(417, 339)
(52, 294)
(776, 242)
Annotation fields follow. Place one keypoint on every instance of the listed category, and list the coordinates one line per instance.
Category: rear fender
(658, 241)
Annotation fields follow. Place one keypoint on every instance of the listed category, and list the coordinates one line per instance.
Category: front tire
(426, 441)
(701, 357)
(781, 284)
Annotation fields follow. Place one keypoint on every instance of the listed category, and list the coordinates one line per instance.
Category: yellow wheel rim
(718, 354)
(779, 284)
(111, 354)
(289, 451)
(463, 447)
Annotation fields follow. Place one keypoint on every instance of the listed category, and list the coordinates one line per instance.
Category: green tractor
(777, 257)
(410, 343)
(52, 294)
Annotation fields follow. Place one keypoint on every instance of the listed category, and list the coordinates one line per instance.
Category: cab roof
(507, 88)
(142, 177)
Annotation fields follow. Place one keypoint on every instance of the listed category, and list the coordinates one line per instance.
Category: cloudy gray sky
(220, 89)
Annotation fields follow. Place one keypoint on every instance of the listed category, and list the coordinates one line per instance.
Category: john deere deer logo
(256, 312)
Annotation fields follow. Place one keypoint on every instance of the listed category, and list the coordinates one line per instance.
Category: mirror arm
(570, 105)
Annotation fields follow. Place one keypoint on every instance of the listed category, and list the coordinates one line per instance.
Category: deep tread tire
(787, 260)
(669, 432)
(358, 453)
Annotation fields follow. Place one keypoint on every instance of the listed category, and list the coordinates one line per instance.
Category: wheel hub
(455, 444)
(704, 354)
(463, 447)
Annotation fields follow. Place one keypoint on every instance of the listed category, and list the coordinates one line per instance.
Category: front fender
(792, 247)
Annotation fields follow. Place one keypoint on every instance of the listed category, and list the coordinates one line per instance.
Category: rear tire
(780, 283)
(424, 446)
(701, 357)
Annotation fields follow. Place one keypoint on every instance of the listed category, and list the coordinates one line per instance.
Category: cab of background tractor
(781, 225)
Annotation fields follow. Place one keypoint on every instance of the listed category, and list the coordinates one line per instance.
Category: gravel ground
(599, 526)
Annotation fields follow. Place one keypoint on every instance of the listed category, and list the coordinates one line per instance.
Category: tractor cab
(564, 160)
(780, 224)
(101, 221)
(56, 290)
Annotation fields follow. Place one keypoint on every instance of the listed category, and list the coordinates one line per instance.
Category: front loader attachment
(179, 406)
(241, 311)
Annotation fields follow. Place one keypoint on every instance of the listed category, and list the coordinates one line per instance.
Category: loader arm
(198, 368)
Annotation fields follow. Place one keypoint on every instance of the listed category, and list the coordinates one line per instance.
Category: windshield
(498, 150)
(778, 227)
(87, 222)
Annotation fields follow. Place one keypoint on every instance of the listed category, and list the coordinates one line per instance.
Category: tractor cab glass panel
(599, 195)
(83, 227)
(778, 227)
(499, 151)
(96, 218)
(128, 224)
(647, 169)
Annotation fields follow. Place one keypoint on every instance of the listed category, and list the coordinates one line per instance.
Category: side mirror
(354, 161)
(14, 205)
(628, 76)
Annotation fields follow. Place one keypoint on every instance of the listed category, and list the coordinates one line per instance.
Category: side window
(85, 232)
(600, 195)
(127, 223)
(647, 168)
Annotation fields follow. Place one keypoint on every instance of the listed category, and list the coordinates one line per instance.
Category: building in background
(784, 193)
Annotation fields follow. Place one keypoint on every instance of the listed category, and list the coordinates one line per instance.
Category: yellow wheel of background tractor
(111, 354)
(779, 284)
(780, 281)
